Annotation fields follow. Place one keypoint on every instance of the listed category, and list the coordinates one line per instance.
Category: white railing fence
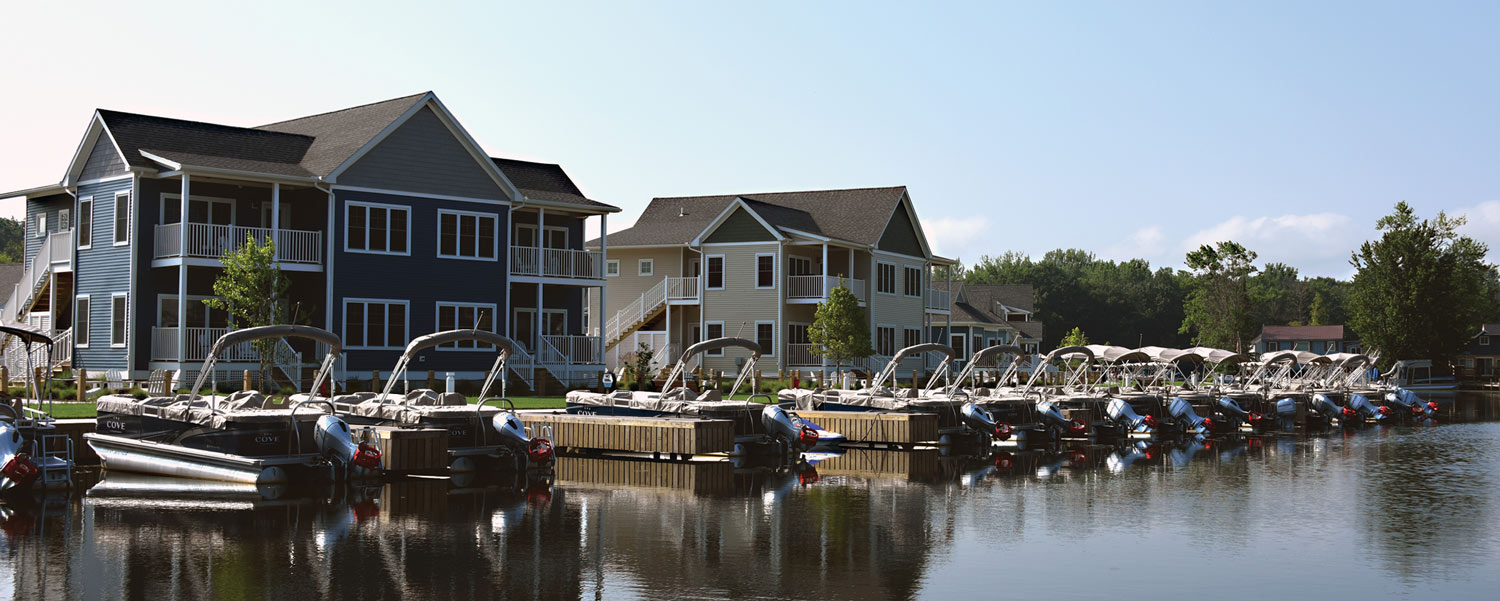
(578, 349)
(801, 355)
(682, 288)
(938, 299)
(636, 312)
(818, 286)
(56, 251)
(206, 240)
(556, 262)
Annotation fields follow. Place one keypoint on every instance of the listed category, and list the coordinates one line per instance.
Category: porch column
(600, 317)
(948, 329)
(541, 270)
(536, 332)
(276, 218)
(824, 268)
(182, 269)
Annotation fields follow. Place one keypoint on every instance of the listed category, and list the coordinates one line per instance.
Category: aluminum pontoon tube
(145, 457)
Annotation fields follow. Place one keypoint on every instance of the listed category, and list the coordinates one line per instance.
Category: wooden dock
(698, 477)
(664, 436)
(879, 427)
(413, 450)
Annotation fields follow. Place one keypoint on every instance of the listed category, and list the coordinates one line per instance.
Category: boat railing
(292, 420)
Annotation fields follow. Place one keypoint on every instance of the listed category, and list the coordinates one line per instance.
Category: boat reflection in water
(1392, 509)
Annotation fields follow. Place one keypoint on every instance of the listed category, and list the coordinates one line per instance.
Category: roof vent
(682, 211)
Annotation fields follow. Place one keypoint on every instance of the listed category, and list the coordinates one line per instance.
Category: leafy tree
(1218, 310)
(252, 290)
(639, 368)
(840, 332)
(12, 240)
(1421, 289)
(1075, 337)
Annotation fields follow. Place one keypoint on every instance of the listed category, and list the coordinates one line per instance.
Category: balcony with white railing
(210, 241)
(201, 340)
(939, 300)
(801, 355)
(682, 289)
(817, 287)
(577, 350)
(556, 262)
(55, 254)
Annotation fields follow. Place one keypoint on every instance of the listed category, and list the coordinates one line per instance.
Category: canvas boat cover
(1213, 355)
(246, 406)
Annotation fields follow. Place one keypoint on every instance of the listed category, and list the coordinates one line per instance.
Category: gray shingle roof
(854, 215)
(546, 181)
(1305, 333)
(1029, 329)
(981, 303)
(305, 147)
(10, 273)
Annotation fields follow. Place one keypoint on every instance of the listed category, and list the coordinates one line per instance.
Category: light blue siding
(102, 271)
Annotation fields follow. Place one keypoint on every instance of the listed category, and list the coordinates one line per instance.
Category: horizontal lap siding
(103, 161)
(422, 278)
(101, 271)
(49, 206)
(740, 302)
(629, 286)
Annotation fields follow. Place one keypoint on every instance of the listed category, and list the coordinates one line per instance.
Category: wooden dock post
(431, 379)
(166, 383)
(4, 376)
(246, 384)
(374, 380)
(82, 376)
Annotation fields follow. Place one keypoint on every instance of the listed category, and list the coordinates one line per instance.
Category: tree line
(1420, 290)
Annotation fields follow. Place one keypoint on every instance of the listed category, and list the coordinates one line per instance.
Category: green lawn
(72, 410)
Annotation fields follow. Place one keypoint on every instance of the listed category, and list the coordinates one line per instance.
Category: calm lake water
(1394, 512)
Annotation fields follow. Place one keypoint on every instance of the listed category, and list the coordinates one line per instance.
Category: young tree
(252, 290)
(1218, 310)
(1075, 337)
(839, 332)
(12, 240)
(1421, 289)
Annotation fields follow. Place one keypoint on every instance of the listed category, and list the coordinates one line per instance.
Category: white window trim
(905, 279)
(176, 198)
(706, 325)
(114, 219)
(905, 329)
(344, 321)
(645, 268)
(124, 330)
(775, 336)
(378, 205)
(64, 219)
(773, 272)
(615, 263)
(895, 279)
(895, 329)
(88, 226)
(40, 225)
(495, 234)
(794, 260)
(791, 324)
(437, 312)
(567, 236)
(1484, 341)
(87, 321)
(723, 272)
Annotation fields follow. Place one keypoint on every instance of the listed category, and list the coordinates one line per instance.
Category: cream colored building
(755, 266)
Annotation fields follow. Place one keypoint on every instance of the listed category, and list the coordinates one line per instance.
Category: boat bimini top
(982, 356)
(243, 406)
(877, 396)
(410, 406)
(1072, 377)
(675, 396)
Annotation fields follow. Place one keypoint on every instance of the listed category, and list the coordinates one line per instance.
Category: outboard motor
(1120, 412)
(1182, 411)
(1286, 413)
(1122, 458)
(1325, 408)
(1235, 415)
(1052, 417)
(513, 434)
(1411, 403)
(976, 418)
(788, 427)
(16, 468)
(1363, 409)
(333, 438)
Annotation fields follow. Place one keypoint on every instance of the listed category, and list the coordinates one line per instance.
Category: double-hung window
(885, 278)
(81, 321)
(912, 337)
(715, 272)
(117, 319)
(765, 271)
(377, 228)
(85, 222)
(645, 267)
(885, 340)
(765, 336)
(41, 225)
(463, 316)
(466, 235)
(612, 268)
(122, 219)
(375, 324)
(913, 283)
(715, 329)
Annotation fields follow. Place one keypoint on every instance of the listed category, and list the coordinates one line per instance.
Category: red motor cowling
(539, 450)
(1208, 424)
(1078, 427)
(808, 437)
(1150, 421)
(20, 469)
(367, 457)
(1385, 411)
(1255, 417)
(1003, 431)
(1003, 461)
(1432, 405)
(1349, 413)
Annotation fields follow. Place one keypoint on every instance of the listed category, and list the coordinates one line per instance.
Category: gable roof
(856, 216)
(985, 303)
(10, 273)
(1305, 333)
(337, 135)
(546, 182)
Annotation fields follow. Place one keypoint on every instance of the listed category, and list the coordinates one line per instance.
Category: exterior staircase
(636, 314)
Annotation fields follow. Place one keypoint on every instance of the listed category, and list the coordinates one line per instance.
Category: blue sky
(1133, 129)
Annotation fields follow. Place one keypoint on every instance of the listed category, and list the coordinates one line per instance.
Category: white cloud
(954, 237)
(1144, 243)
(1315, 243)
(1483, 225)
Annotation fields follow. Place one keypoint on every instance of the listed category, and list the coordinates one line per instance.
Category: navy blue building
(389, 219)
